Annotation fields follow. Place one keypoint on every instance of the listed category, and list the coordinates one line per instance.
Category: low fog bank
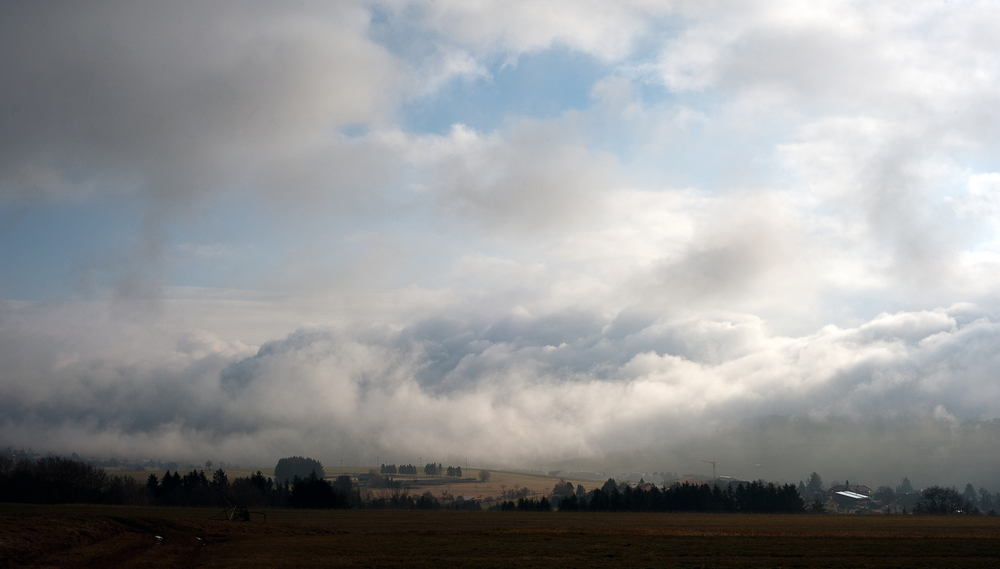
(908, 394)
(871, 451)
(874, 452)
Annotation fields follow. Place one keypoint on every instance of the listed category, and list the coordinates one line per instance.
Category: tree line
(403, 469)
(255, 491)
(55, 480)
(931, 500)
(430, 469)
(750, 497)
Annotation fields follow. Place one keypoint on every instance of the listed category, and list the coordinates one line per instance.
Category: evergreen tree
(219, 480)
(904, 487)
(814, 484)
(152, 483)
(290, 467)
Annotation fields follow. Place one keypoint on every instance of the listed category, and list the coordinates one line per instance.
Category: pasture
(106, 536)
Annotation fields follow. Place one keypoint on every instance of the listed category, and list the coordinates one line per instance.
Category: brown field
(98, 536)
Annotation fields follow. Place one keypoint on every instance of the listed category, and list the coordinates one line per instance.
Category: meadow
(117, 536)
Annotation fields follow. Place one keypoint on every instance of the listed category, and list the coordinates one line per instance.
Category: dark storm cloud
(172, 100)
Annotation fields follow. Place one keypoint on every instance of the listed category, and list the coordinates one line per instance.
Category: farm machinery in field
(235, 512)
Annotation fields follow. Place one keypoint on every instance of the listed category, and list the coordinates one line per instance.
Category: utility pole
(712, 462)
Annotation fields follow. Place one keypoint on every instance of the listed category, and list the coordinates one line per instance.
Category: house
(894, 507)
(853, 488)
(689, 480)
(846, 502)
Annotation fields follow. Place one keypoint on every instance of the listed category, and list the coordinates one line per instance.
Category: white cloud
(447, 64)
(982, 199)
(605, 30)
(533, 387)
(757, 214)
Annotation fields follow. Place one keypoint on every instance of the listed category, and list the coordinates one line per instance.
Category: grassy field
(71, 536)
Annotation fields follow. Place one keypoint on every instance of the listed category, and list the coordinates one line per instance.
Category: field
(71, 536)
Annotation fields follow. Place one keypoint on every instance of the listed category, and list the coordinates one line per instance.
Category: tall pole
(712, 462)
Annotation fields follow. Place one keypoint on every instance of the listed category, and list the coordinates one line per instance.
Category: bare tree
(941, 500)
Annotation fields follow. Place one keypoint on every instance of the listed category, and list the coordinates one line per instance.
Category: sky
(618, 235)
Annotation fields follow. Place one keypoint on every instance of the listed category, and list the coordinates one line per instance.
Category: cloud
(521, 389)
(449, 64)
(170, 108)
(604, 30)
(760, 209)
(525, 179)
(176, 100)
(842, 56)
(981, 201)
